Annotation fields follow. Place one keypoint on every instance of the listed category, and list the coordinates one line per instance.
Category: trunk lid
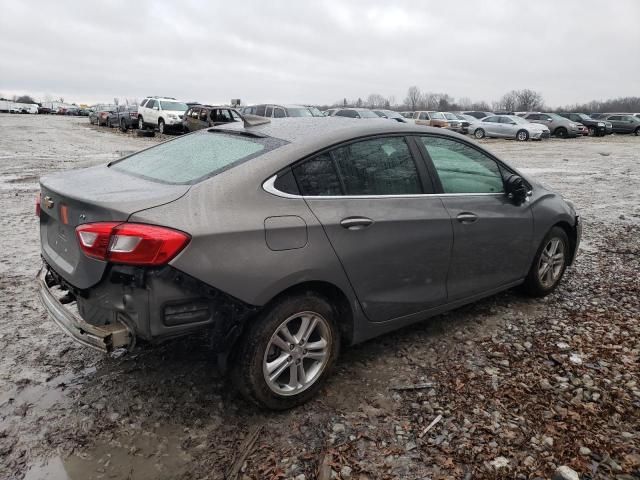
(97, 194)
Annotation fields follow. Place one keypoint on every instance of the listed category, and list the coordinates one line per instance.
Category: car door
(492, 235)
(627, 123)
(392, 237)
(616, 121)
(490, 125)
(151, 116)
(508, 128)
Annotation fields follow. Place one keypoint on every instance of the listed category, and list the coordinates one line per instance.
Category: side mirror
(516, 189)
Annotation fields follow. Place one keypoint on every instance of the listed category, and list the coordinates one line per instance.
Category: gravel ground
(516, 387)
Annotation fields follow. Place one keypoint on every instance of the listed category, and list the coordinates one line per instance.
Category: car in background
(165, 113)
(598, 116)
(278, 111)
(430, 119)
(478, 114)
(391, 115)
(508, 126)
(98, 114)
(465, 121)
(455, 123)
(624, 123)
(198, 117)
(330, 111)
(123, 117)
(558, 126)
(355, 113)
(408, 115)
(595, 128)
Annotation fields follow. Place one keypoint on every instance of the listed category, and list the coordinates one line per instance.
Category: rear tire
(109, 122)
(637, 131)
(560, 132)
(123, 126)
(522, 136)
(479, 133)
(303, 363)
(140, 123)
(549, 264)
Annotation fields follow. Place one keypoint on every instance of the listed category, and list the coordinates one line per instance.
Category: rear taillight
(38, 208)
(130, 243)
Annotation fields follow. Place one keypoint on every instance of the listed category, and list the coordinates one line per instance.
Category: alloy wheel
(551, 262)
(297, 353)
(522, 135)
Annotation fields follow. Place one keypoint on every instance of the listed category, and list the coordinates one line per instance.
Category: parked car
(44, 110)
(557, 125)
(355, 113)
(330, 111)
(165, 113)
(391, 115)
(408, 115)
(203, 116)
(465, 122)
(596, 128)
(430, 119)
(508, 126)
(455, 123)
(263, 247)
(99, 113)
(123, 117)
(598, 116)
(278, 111)
(624, 123)
(479, 115)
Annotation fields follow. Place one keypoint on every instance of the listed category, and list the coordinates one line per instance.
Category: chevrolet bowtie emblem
(48, 202)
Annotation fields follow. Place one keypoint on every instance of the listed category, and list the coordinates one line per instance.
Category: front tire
(561, 132)
(479, 133)
(522, 136)
(549, 264)
(287, 352)
(637, 131)
(161, 127)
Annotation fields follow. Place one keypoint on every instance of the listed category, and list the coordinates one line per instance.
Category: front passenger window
(463, 169)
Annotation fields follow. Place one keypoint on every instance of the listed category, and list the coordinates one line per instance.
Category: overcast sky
(319, 52)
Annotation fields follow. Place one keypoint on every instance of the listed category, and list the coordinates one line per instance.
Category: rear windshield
(193, 158)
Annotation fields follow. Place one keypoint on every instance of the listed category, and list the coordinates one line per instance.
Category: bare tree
(528, 100)
(375, 100)
(508, 102)
(414, 97)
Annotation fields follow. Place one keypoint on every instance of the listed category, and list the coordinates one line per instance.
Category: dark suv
(203, 116)
(624, 123)
(597, 128)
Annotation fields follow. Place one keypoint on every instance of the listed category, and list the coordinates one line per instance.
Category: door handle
(467, 217)
(356, 223)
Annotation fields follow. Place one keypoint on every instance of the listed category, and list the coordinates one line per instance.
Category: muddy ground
(518, 386)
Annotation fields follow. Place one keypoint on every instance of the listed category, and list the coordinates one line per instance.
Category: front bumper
(104, 338)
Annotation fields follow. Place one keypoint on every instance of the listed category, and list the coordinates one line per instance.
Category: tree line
(524, 100)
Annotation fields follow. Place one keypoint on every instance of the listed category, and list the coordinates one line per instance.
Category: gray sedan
(286, 240)
(508, 126)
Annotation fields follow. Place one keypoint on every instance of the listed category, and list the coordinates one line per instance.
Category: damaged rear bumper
(105, 338)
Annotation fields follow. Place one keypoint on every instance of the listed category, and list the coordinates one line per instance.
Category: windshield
(299, 112)
(194, 157)
(451, 116)
(367, 114)
(555, 116)
(437, 115)
(583, 116)
(315, 112)
(174, 106)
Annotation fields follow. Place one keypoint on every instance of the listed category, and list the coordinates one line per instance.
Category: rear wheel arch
(333, 294)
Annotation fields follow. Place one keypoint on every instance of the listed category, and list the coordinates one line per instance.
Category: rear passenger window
(151, 104)
(260, 110)
(268, 112)
(382, 166)
(278, 113)
(463, 169)
(143, 102)
(318, 177)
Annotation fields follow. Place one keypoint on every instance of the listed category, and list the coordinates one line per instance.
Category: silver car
(508, 126)
(287, 239)
(558, 126)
